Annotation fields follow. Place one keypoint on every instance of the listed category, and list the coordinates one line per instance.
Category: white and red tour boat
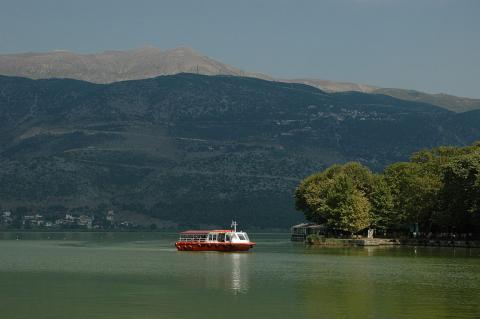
(214, 240)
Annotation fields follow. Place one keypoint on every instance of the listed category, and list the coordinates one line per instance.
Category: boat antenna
(234, 225)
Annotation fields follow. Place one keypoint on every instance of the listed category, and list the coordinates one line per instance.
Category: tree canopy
(338, 197)
(437, 191)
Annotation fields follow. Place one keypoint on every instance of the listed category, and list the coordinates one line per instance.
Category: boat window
(221, 237)
(227, 237)
(241, 237)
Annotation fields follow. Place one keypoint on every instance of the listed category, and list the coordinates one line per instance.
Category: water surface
(141, 275)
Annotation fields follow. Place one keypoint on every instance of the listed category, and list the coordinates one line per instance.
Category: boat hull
(201, 246)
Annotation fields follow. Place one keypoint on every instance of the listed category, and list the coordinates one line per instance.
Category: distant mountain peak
(183, 49)
(146, 48)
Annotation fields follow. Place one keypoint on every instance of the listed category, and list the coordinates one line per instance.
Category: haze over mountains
(192, 149)
(148, 62)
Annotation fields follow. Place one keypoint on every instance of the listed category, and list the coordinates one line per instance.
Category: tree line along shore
(434, 195)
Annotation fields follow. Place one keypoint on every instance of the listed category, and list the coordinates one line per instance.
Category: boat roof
(203, 232)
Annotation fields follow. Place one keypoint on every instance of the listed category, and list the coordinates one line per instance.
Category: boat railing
(189, 239)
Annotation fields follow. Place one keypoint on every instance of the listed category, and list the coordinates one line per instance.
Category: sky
(427, 45)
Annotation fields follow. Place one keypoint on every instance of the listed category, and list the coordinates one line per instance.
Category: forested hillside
(196, 149)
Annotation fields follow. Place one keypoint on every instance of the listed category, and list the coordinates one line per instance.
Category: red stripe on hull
(200, 246)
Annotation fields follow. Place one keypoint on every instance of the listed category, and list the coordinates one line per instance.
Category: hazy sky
(430, 45)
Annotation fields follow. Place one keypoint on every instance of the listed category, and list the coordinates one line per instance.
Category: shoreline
(160, 230)
(369, 242)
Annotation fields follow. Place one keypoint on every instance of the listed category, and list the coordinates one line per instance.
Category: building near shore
(33, 220)
(110, 216)
(6, 217)
(301, 231)
(85, 221)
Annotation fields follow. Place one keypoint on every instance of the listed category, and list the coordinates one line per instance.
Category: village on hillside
(69, 221)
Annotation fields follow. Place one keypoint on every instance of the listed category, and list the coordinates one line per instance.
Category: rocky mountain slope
(195, 149)
(148, 62)
(112, 66)
(449, 102)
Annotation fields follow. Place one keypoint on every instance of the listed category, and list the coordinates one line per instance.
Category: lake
(141, 275)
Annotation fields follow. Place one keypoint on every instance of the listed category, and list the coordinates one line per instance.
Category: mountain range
(191, 149)
(148, 62)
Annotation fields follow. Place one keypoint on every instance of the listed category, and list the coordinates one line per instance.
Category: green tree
(415, 193)
(457, 198)
(438, 191)
(381, 199)
(337, 197)
(460, 196)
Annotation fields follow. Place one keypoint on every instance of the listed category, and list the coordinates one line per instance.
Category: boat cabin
(214, 240)
(214, 236)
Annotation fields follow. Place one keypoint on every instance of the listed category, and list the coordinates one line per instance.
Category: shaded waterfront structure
(301, 231)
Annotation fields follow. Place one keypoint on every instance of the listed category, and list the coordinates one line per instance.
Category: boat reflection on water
(239, 277)
(228, 272)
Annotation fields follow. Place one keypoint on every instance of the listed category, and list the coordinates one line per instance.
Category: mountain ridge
(148, 62)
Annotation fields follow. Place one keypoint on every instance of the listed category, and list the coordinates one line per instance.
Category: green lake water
(141, 275)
